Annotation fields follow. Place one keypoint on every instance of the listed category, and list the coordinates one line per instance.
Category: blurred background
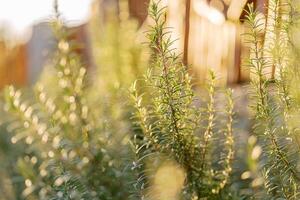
(208, 33)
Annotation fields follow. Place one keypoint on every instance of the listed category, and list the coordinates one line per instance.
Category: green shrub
(273, 102)
(95, 137)
(172, 127)
(69, 146)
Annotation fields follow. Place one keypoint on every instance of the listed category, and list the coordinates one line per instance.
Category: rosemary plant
(68, 147)
(272, 99)
(173, 127)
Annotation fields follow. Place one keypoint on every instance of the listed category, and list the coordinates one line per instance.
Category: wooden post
(186, 31)
(138, 9)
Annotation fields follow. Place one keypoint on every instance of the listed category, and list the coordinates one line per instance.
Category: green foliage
(84, 136)
(173, 127)
(272, 99)
(119, 59)
(69, 149)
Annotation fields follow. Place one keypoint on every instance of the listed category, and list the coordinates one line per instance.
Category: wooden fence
(214, 37)
(209, 34)
(12, 65)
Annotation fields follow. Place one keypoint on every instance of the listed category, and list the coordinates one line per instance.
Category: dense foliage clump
(69, 146)
(85, 133)
(171, 124)
(272, 62)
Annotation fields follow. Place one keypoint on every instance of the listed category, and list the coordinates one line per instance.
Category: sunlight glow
(212, 14)
(18, 15)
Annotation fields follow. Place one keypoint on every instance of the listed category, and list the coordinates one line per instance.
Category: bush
(274, 105)
(173, 128)
(94, 137)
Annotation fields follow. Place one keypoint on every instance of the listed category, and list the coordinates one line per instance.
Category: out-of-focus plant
(68, 146)
(272, 99)
(173, 128)
(251, 181)
(116, 46)
(119, 58)
(11, 183)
